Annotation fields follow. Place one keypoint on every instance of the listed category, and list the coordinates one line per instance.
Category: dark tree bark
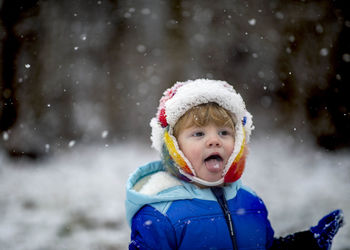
(334, 100)
(10, 14)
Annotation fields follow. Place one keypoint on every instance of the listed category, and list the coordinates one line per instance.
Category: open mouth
(214, 163)
(213, 157)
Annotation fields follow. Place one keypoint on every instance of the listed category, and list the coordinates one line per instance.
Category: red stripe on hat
(236, 170)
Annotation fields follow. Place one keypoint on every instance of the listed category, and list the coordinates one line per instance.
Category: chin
(211, 178)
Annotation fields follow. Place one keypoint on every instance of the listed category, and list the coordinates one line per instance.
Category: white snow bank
(76, 200)
(71, 201)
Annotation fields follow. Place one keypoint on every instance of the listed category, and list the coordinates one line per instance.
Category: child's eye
(224, 132)
(198, 134)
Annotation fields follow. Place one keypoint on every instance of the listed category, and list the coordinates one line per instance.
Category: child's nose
(214, 141)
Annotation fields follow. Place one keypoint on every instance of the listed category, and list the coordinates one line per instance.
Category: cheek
(192, 153)
(230, 146)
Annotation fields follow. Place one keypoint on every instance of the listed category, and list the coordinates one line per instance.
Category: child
(194, 198)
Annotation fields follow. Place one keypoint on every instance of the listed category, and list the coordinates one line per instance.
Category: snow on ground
(76, 200)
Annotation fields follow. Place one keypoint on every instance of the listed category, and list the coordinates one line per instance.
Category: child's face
(208, 148)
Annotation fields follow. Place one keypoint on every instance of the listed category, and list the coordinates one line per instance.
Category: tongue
(213, 165)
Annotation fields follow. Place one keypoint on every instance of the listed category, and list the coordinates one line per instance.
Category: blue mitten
(327, 228)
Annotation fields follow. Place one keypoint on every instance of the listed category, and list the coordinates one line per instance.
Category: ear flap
(174, 155)
(236, 170)
(237, 167)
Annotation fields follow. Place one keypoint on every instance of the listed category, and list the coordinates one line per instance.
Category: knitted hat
(180, 98)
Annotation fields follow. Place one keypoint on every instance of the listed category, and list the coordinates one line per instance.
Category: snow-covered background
(75, 200)
(81, 79)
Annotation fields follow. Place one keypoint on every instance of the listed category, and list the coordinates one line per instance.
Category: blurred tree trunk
(333, 103)
(11, 13)
(313, 72)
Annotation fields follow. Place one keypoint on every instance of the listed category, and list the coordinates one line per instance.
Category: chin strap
(220, 196)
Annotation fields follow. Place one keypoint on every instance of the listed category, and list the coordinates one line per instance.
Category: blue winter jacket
(166, 213)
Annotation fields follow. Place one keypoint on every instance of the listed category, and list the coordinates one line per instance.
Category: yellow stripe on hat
(239, 155)
(174, 154)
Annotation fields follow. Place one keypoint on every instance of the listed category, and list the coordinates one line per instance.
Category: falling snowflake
(47, 148)
(5, 136)
(146, 11)
(104, 134)
(147, 223)
(71, 144)
(252, 21)
(346, 57)
(279, 15)
(141, 48)
(324, 52)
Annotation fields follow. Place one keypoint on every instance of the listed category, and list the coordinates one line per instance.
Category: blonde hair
(203, 115)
